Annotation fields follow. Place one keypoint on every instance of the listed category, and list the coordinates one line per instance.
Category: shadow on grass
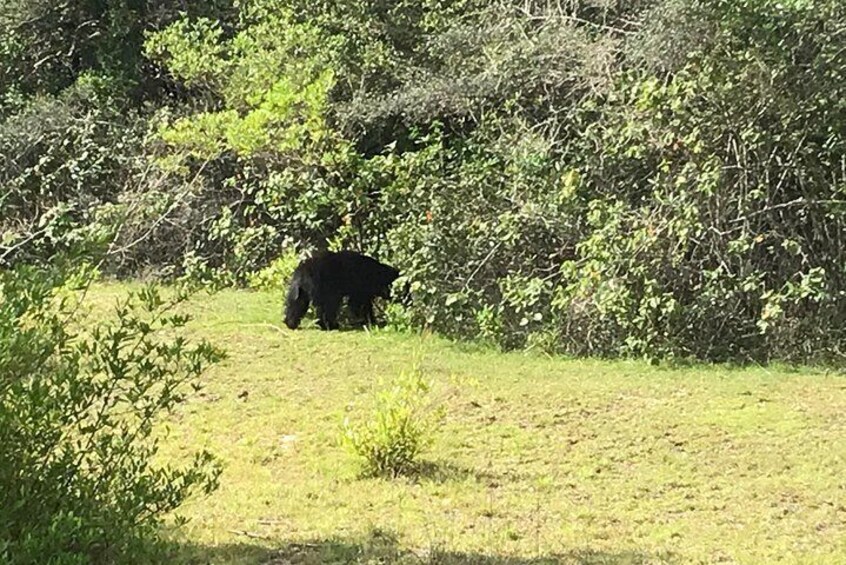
(383, 547)
(443, 472)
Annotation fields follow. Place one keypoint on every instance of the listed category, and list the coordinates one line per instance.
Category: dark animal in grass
(327, 278)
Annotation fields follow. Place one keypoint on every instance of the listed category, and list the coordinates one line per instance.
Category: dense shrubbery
(78, 479)
(651, 178)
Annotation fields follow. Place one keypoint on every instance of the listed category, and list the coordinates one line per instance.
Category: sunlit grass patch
(541, 459)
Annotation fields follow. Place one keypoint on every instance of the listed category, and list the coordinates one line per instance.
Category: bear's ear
(294, 292)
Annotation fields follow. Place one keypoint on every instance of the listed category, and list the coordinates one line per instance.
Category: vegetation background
(654, 179)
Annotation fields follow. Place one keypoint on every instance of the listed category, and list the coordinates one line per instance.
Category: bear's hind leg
(362, 309)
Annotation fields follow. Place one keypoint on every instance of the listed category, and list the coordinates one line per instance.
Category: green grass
(540, 460)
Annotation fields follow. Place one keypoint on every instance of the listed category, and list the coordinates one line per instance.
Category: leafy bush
(686, 210)
(277, 274)
(712, 199)
(390, 441)
(79, 480)
(257, 155)
(61, 158)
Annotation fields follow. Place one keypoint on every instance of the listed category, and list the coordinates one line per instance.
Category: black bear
(327, 278)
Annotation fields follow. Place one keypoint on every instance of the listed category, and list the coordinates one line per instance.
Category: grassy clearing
(540, 460)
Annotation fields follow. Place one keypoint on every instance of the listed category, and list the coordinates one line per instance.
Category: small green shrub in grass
(405, 416)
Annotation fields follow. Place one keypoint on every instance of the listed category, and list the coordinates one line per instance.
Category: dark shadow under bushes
(381, 546)
(441, 472)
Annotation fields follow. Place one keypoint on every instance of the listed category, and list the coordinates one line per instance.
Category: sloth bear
(327, 278)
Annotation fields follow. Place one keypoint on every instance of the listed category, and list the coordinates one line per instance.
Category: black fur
(327, 278)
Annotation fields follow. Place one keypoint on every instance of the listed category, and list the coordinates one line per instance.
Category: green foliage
(258, 154)
(75, 97)
(277, 274)
(79, 481)
(687, 260)
(45, 46)
(659, 179)
(192, 48)
(60, 158)
(667, 217)
(271, 76)
(390, 441)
